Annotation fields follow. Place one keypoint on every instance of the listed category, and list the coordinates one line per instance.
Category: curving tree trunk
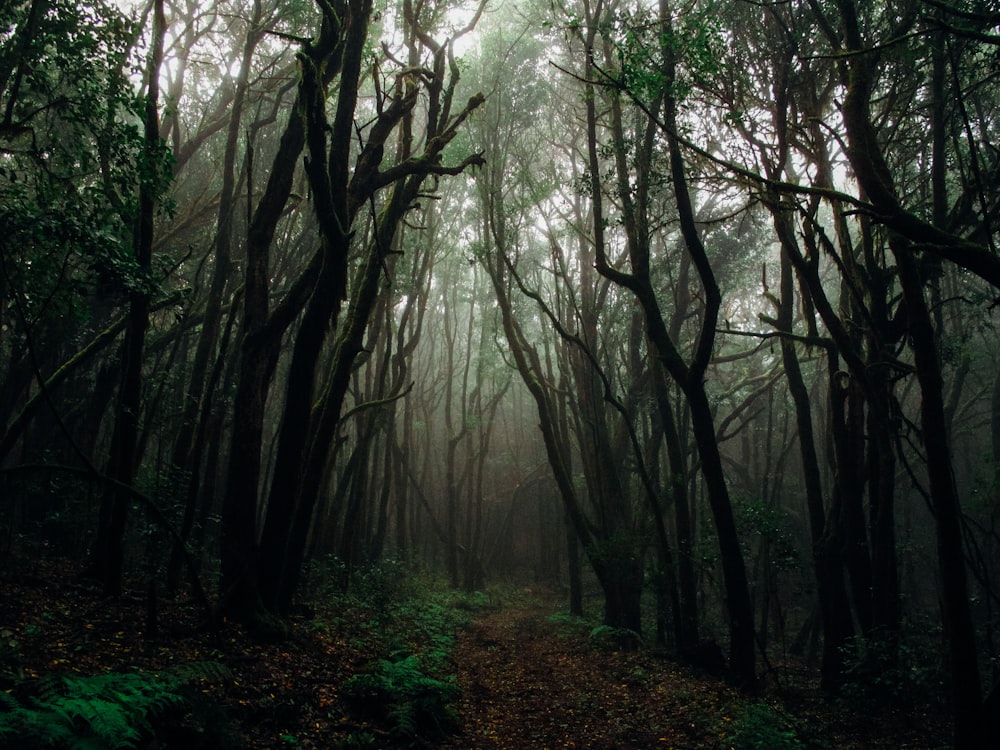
(311, 415)
(690, 377)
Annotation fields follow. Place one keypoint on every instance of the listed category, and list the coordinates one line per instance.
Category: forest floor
(515, 676)
(534, 681)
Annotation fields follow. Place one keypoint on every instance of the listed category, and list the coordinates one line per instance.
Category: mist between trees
(683, 298)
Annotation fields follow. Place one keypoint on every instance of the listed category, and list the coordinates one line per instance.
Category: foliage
(10, 663)
(73, 161)
(401, 692)
(111, 710)
(103, 711)
(357, 741)
(409, 622)
(695, 42)
(380, 585)
(570, 626)
(893, 669)
(761, 520)
(763, 728)
(600, 637)
(396, 612)
(606, 637)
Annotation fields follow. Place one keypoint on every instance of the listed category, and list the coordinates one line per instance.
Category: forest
(499, 373)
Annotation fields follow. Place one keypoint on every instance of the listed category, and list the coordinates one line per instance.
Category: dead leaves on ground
(527, 685)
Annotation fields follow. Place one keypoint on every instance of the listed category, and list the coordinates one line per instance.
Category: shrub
(357, 741)
(382, 584)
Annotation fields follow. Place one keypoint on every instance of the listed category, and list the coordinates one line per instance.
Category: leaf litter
(527, 680)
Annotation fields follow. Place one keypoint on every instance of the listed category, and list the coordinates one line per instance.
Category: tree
(125, 441)
(193, 432)
(875, 178)
(740, 258)
(689, 376)
(339, 196)
(72, 161)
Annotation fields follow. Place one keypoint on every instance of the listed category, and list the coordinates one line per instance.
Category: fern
(411, 701)
(110, 711)
(610, 638)
(49, 687)
(7, 703)
(765, 728)
(209, 672)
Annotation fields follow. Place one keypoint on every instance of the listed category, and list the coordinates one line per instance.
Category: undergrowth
(111, 711)
(570, 626)
(608, 638)
(405, 697)
(900, 670)
(408, 623)
(762, 727)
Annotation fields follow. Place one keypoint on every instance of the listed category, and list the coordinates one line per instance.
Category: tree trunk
(621, 581)
(328, 177)
(834, 606)
(687, 631)
(259, 349)
(189, 444)
(339, 195)
(124, 454)
(876, 180)
(690, 378)
(742, 649)
(966, 687)
(573, 569)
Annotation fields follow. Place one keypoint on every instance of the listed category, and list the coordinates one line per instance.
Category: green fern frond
(49, 687)
(412, 701)
(7, 703)
(110, 721)
(210, 672)
(102, 712)
(403, 718)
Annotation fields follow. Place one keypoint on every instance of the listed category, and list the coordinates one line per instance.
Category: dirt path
(529, 682)
(534, 682)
